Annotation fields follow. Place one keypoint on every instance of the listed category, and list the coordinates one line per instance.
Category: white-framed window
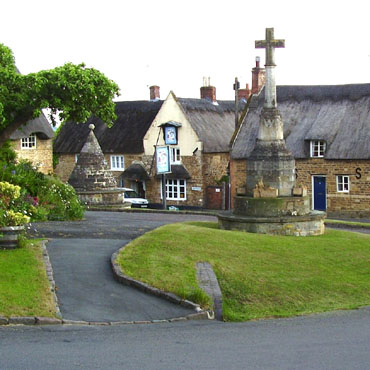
(117, 163)
(342, 183)
(76, 157)
(175, 189)
(318, 148)
(28, 142)
(175, 155)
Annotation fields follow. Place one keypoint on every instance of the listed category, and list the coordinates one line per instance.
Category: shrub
(60, 200)
(10, 214)
(41, 197)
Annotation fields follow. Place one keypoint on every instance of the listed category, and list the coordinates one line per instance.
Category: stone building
(34, 142)
(327, 129)
(199, 157)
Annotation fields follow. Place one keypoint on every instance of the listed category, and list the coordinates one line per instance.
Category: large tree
(71, 92)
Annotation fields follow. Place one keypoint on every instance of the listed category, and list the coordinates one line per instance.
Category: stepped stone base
(271, 207)
(306, 225)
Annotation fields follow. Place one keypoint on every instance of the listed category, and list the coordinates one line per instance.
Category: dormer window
(318, 148)
(28, 142)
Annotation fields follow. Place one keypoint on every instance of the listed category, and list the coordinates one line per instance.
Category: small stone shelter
(34, 142)
(327, 129)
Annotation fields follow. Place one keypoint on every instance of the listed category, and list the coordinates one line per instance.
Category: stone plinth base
(273, 164)
(101, 197)
(309, 224)
(271, 207)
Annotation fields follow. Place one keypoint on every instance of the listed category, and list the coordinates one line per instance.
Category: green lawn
(260, 275)
(350, 223)
(24, 287)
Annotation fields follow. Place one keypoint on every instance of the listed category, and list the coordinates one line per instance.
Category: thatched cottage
(327, 129)
(199, 156)
(34, 142)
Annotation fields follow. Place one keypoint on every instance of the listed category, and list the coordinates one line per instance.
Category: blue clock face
(170, 135)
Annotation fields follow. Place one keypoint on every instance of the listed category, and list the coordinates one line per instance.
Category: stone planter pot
(9, 236)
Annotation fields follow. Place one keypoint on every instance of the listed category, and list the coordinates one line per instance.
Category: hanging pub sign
(163, 159)
(170, 135)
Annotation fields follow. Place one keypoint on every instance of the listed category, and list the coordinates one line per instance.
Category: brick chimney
(207, 91)
(154, 92)
(244, 93)
(258, 77)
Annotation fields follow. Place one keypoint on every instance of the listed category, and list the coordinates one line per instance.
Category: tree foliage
(71, 92)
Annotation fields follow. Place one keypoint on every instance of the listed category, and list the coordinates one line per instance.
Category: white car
(131, 196)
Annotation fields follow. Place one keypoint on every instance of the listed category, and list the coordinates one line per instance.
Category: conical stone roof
(92, 171)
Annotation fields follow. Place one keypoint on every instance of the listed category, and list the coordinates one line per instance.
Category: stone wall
(214, 167)
(238, 171)
(41, 156)
(128, 159)
(205, 170)
(195, 189)
(356, 203)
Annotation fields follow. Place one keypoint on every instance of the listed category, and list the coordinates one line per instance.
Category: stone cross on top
(270, 86)
(270, 44)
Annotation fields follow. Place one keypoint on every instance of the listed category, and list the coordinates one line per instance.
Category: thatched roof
(213, 123)
(39, 126)
(338, 114)
(126, 136)
(136, 172)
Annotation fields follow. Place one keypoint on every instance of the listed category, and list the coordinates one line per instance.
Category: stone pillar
(270, 162)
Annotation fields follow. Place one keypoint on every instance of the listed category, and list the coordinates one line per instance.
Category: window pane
(175, 189)
(343, 183)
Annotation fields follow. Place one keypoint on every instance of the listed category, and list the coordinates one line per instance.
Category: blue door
(319, 193)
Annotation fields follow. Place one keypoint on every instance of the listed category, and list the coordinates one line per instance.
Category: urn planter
(9, 236)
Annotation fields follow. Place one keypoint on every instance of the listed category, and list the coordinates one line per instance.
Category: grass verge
(24, 287)
(350, 223)
(260, 275)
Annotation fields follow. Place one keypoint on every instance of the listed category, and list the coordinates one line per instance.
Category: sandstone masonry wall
(41, 156)
(214, 167)
(195, 190)
(355, 203)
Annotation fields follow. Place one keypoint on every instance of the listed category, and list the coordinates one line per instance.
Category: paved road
(80, 254)
(339, 340)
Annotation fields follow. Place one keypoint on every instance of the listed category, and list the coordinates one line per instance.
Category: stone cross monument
(272, 203)
(270, 162)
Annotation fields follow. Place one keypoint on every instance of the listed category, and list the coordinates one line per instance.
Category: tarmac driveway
(80, 254)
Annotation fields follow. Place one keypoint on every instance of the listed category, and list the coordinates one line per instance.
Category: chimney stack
(258, 77)
(207, 91)
(244, 93)
(154, 93)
